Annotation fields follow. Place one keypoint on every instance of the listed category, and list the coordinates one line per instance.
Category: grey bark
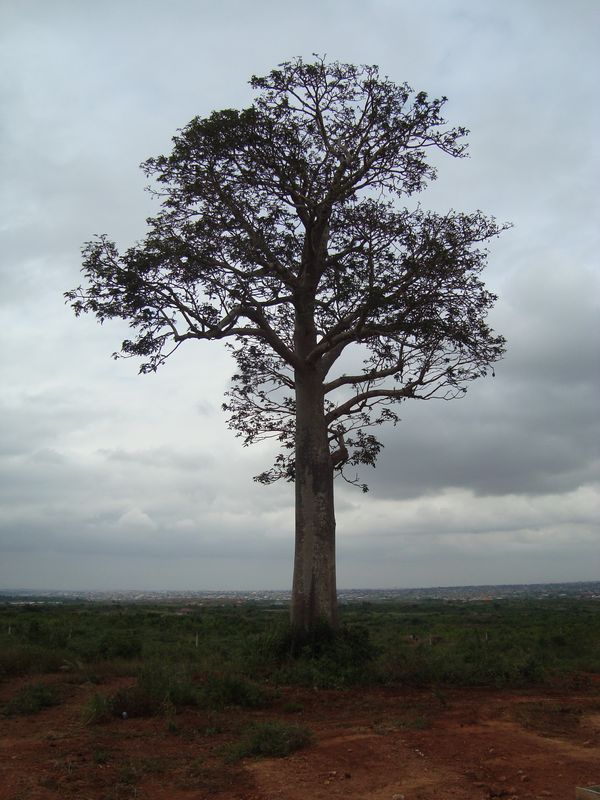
(314, 594)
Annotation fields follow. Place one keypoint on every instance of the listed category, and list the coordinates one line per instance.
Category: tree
(281, 231)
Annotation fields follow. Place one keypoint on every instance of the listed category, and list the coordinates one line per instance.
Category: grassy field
(113, 702)
(221, 654)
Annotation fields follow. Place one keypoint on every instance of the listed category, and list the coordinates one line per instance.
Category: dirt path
(462, 746)
(369, 745)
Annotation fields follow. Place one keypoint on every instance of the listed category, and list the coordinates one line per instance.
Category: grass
(167, 688)
(32, 699)
(247, 660)
(217, 656)
(219, 691)
(98, 709)
(161, 688)
(22, 658)
(270, 740)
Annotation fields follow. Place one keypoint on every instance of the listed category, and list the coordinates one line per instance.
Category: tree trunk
(314, 595)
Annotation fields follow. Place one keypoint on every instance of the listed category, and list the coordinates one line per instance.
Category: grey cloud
(38, 421)
(129, 532)
(162, 457)
(535, 427)
(505, 447)
(122, 480)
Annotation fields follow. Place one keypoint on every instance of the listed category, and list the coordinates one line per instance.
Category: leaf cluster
(282, 231)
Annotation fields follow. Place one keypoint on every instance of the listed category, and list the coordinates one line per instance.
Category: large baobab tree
(283, 229)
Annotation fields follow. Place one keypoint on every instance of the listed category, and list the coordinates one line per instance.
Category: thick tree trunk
(314, 595)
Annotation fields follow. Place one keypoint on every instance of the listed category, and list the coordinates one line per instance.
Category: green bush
(219, 691)
(168, 680)
(321, 641)
(120, 645)
(134, 701)
(270, 739)
(31, 699)
(98, 709)
(465, 661)
(433, 642)
(26, 659)
(161, 687)
(323, 657)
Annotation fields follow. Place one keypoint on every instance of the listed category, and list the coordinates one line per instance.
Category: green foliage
(27, 659)
(219, 691)
(465, 661)
(133, 701)
(171, 681)
(119, 645)
(241, 649)
(295, 205)
(322, 657)
(166, 687)
(509, 643)
(293, 708)
(98, 709)
(160, 688)
(31, 699)
(270, 739)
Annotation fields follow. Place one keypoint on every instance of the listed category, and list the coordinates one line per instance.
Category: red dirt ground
(376, 744)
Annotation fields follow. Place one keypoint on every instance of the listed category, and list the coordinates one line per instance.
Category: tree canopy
(311, 173)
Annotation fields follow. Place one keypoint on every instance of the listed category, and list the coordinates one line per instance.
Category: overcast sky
(111, 480)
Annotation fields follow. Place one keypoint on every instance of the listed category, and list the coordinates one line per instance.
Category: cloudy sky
(113, 480)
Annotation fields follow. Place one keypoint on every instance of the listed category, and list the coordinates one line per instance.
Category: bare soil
(373, 744)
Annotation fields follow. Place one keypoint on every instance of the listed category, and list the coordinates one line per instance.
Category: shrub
(270, 739)
(229, 690)
(134, 701)
(31, 699)
(120, 645)
(168, 681)
(320, 641)
(465, 662)
(23, 659)
(98, 709)
(323, 657)
(161, 687)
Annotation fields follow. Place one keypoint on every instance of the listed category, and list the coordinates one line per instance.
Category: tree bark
(314, 594)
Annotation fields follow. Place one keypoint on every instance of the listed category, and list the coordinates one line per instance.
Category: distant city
(589, 590)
